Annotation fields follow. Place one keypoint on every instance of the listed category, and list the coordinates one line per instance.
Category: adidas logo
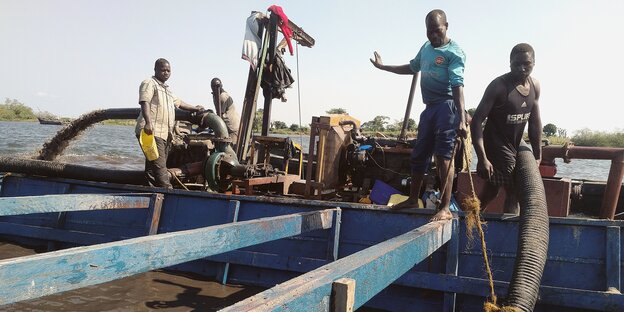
(523, 104)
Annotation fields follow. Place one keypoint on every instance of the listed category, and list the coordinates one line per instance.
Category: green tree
(586, 137)
(377, 124)
(294, 127)
(279, 125)
(336, 111)
(257, 122)
(15, 110)
(562, 132)
(411, 125)
(550, 129)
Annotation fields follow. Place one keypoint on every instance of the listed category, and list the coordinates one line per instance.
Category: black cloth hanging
(277, 78)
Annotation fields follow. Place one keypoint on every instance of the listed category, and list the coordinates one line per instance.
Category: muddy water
(151, 291)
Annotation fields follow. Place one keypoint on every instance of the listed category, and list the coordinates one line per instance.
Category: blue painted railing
(372, 269)
(44, 274)
(71, 202)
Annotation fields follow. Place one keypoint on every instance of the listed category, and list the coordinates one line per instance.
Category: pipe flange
(212, 175)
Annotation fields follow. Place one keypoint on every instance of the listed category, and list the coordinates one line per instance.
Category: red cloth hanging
(283, 25)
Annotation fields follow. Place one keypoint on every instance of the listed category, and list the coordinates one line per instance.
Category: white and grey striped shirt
(162, 103)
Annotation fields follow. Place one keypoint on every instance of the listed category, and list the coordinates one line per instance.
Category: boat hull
(584, 257)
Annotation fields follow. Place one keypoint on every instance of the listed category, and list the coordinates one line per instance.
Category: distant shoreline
(114, 122)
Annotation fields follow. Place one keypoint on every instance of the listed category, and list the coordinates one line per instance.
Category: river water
(150, 291)
(116, 147)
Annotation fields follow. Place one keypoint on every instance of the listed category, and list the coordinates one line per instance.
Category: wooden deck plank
(269, 261)
(48, 273)
(373, 269)
(70, 202)
(556, 296)
(52, 234)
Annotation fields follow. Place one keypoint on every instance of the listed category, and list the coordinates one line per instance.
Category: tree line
(555, 135)
(276, 125)
(14, 110)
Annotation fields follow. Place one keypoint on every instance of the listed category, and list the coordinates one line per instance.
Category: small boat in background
(45, 121)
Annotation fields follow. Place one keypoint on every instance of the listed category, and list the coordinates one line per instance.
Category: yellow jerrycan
(148, 145)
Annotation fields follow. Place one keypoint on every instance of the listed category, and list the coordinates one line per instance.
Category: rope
(489, 307)
(177, 180)
(472, 208)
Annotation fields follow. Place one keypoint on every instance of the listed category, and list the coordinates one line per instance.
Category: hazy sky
(71, 57)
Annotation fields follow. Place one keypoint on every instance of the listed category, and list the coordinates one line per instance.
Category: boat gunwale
(312, 202)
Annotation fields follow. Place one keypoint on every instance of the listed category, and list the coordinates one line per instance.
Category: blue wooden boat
(312, 255)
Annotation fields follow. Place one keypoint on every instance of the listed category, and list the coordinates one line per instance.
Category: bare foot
(408, 203)
(442, 214)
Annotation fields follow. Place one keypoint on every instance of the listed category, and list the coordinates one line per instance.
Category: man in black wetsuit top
(509, 102)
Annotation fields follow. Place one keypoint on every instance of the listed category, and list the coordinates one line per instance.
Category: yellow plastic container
(148, 145)
(399, 198)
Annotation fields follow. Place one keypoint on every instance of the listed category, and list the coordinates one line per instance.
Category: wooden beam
(233, 209)
(153, 216)
(334, 238)
(343, 295)
(373, 269)
(44, 274)
(75, 202)
(301, 36)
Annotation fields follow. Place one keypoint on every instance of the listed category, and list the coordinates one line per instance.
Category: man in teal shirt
(441, 64)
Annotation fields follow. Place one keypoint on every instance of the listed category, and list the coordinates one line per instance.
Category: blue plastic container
(381, 192)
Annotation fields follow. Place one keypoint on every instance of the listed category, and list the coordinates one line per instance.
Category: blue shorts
(437, 130)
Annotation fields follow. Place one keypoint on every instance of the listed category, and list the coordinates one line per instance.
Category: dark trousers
(156, 171)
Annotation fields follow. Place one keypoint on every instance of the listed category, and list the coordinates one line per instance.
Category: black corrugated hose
(532, 234)
(71, 171)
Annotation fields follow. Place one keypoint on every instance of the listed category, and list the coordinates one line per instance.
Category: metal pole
(408, 109)
(251, 97)
(267, 92)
